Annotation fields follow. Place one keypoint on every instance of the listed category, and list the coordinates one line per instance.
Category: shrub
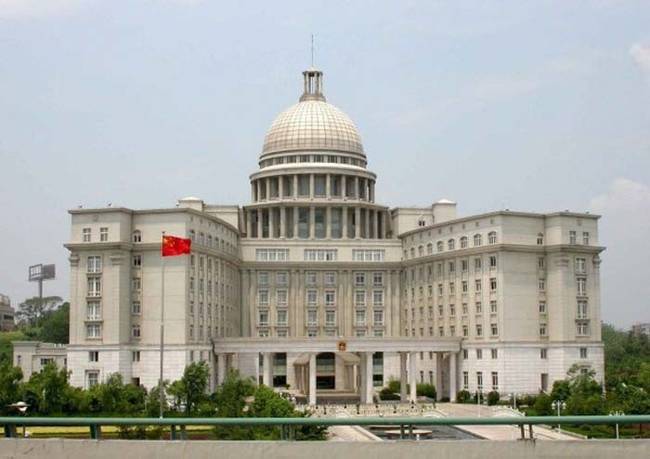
(393, 386)
(493, 398)
(426, 390)
(463, 396)
(386, 394)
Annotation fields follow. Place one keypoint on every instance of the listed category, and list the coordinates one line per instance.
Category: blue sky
(536, 106)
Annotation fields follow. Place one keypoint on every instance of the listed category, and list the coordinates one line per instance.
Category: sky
(526, 105)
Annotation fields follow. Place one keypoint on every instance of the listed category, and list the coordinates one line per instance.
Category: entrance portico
(350, 365)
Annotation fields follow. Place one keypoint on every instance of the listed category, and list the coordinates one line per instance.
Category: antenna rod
(312, 50)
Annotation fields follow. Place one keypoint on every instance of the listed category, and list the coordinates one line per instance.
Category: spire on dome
(313, 89)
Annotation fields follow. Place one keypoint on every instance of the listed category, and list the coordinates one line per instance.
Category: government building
(317, 287)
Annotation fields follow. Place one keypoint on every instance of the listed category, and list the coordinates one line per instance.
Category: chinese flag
(172, 246)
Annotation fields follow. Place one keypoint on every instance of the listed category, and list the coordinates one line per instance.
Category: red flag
(172, 246)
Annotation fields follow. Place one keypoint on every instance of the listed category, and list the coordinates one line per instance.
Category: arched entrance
(326, 371)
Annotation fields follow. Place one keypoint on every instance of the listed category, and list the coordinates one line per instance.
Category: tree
(10, 378)
(33, 309)
(49, 392)
(191, 389)
(55, 325)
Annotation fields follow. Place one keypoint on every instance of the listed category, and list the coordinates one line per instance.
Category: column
(312, 220)
(271, 223)
(412, 376)
(452, 377)
(295, 186)
(328, 189)
(267, 183)
(368, 388)
(383, 224)
(259, 223)
(328, 222)
(312, 379)
(402, 377)
(439, 361)
(356, 187)
(253, 191)
(311, 186)
(375, 231)
(295, 223)
(362, 377)
(283, 222)
(344, 220)
(249, 223)
(258, 183)
(257, 367)
(221, 368)
(267, 377)
(281, 186)
(357, 226)
(344, 186)
(367, 223)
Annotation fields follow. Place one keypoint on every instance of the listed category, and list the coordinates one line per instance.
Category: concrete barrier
(469, 449)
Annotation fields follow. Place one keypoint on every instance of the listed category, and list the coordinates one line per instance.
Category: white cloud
(641, 55)
(36, 8)
(624, 230)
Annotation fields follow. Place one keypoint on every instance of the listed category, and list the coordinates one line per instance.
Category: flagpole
(161, 390)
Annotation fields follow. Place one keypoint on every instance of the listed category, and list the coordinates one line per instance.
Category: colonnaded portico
(325, 366)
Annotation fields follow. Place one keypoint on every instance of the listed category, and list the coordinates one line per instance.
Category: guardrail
(177, 425)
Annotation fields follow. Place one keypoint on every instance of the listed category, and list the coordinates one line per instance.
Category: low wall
(469, 449)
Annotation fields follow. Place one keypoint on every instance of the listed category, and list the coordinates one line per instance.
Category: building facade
(7, 321)
(316, 286)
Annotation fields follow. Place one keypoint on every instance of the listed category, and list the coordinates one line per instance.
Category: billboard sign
(41, 272)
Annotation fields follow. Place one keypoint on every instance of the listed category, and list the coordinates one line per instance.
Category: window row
(451, 245)
(86, 234)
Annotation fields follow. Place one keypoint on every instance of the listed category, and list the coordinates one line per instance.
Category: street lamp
(22, 409)
(616, 413)
(514, 400)
(559, 405)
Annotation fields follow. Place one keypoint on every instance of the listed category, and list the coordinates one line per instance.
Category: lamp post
(559, 405)
(514, 401)
(22, 409)
(616, 413)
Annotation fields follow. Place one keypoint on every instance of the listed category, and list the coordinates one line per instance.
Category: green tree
(49, 392)
(55, 325)
(10, 378)
(191, 389)
(33, 309)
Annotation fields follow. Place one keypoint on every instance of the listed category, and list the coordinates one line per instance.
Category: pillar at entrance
(412, 377)
(402, 376)
(221, 368)
(267, 375)
(312, 379)
(452, 377)
(366, 380)
(439, 363)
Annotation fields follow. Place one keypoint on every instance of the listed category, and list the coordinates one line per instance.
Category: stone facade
(315, 286)
(7, 314)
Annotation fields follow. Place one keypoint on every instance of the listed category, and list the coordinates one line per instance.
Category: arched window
(492, 237)
(451, 244)
(420, 250)
(440, 246)
(540, 239)
(478, 240)
(406, 254)
(463, 242)
(192, 235)
(137, 236)
(429, 248)
(412, 252)
(422, 222)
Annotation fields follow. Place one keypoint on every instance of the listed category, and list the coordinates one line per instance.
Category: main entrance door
(326, 371)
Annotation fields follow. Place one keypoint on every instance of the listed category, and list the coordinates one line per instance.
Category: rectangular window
(330, 278)
(360, 317)
(479, 330)
(136, 308)
(494, 353)
(465, 380)
(135, 356)
(93, 356)
(281, 278)
(541, 263)
(582, 286)
(272, 254)
(378, 317)
(585, 238)
(92, 378)
(493, 284)
(93, 331)
(494, 329)
(493, 262)
(263, 297)
(93, 311)
(263, 278)
(94, 286)
(263, 317)
(311, 278)
(493, 306)
(542, 307)
(479, 381)
(136, 261)
(477, 264)
(378, 297)
(477, 285)
(94, 264)
(103, 234)
(479, 354)
(282, 297)
(359, 279)
(582, 310)
(330, 297)
(583, 352)
(581, 265)
(360, 298)
(312, 297)
(282, 317)
(542, 330)
(572, 237)
(320, 254)
(330, 318)
(582, 328)
(85, 232)
(135, 331)
(541, 285)
(543, 353)
(495, 381)
(377, 279)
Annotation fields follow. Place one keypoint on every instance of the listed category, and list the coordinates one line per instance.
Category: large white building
(316, 286)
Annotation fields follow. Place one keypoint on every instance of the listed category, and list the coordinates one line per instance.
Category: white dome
(312, 125)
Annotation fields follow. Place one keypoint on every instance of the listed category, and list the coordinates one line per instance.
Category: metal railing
(178, 425)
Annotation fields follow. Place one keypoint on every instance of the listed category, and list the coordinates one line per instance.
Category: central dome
(312, 124)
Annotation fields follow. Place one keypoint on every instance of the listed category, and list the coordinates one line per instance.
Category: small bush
(493, 398)
(393, 386)
(426, 390)
(386, 394)
(463, 396)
